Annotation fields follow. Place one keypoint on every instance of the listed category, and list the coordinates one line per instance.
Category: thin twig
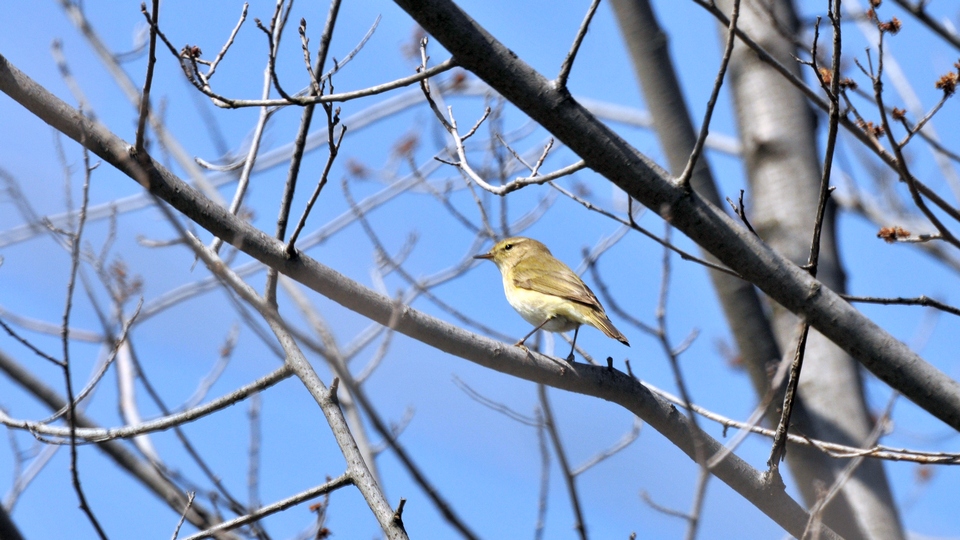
(684, 179)
(306, 118)
(338, 64)
(305, 45)
(567, 65)
(918, 128)
(449, 124)
(834, 95)
(814, 521)
(297, 99)
(833, 450)
(274, 34)
(496, 406)
(780, 438)
(104, 365)
(636, 226)
(755, 417)
(918, 301)
(75, 241)
(699, 496)
(327, 487)
(183, 515)
(779, 443)
(663, 509)
(334, 149)
(624, 442)
(99, 435)
(26, 343)
(918, 10)
(662, 335)
(544, 478)
(672, 354)
(148, 80)
(253, 468)
(56, 49)
(900, 160)
(226, 46)
(207, 382)
(579, 525)
(851, 126)
(740, 210)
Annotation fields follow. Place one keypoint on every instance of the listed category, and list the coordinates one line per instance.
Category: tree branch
(611, 156)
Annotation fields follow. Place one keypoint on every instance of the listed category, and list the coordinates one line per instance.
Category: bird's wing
(557, 280)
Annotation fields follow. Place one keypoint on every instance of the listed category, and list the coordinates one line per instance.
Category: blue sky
(486, 464)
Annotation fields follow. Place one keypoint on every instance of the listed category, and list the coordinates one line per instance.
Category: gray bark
(148, 475)
(601, 382)
(602, 150)
(8, 529)
(778, 132)
(746, 317)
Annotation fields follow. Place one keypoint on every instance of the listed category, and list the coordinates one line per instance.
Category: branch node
(398, 515)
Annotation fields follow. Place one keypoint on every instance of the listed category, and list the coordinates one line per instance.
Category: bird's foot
(570, 357)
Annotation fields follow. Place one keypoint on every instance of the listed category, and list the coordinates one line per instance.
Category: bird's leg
(520, 343)
(574, 344)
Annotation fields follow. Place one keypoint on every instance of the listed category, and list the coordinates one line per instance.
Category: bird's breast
(536, 307)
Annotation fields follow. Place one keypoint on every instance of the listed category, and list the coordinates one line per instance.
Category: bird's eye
(508, 247)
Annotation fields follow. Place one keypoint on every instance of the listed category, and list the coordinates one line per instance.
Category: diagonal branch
(143, 471)
(684, 179)
(608, 154)
(577, 41)
(569, 477)
(601, 382)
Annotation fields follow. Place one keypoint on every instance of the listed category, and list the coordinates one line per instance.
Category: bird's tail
(602, 322)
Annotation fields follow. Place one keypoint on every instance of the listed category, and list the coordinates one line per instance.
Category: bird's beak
(484, 256)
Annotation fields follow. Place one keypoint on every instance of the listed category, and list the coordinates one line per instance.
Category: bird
(546, 292)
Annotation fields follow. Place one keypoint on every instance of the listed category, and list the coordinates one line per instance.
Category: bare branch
(684, 179)
(567, 65)
(148, 80)
(918, 301)
(579, 525)
(327, 487)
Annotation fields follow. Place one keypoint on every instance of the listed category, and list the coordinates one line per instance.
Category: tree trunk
(777, 128)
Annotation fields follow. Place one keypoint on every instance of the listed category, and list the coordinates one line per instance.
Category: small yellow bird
(546, 292)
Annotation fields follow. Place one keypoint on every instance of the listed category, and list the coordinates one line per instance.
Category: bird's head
(509, 251)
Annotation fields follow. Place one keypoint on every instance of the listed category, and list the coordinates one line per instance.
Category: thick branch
(601, 382)
(145, 472)
(608, 154)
